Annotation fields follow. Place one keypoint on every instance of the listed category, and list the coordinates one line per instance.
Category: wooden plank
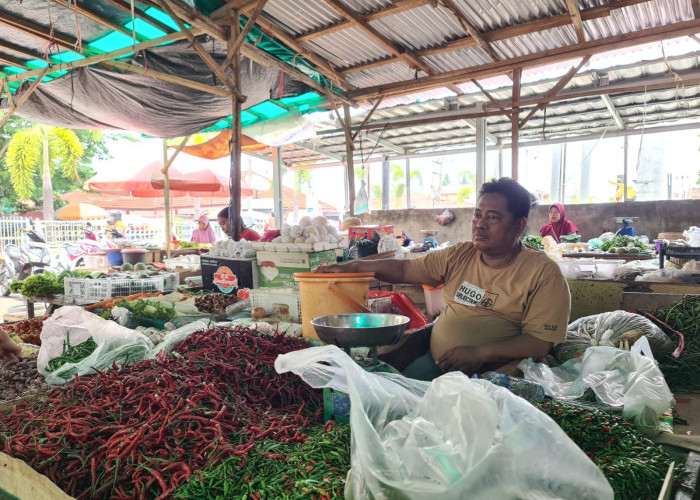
(667, 487)
(22, 51)
(395, 8)
(19, 480)
(235, 204)
(575, 13)
(10, 405)
(24, 96)
(531, 60)
(95, 16)
(233, 49)
(140, 14)
(469, 28)
(563, 81)
(509, 32)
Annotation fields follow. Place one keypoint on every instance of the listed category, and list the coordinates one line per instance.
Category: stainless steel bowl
(360, 329)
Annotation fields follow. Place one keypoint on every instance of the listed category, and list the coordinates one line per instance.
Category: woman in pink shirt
(246, 233)
(204, 233)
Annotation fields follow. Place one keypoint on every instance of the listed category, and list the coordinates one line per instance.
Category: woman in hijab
(204, 233)
(558, 224)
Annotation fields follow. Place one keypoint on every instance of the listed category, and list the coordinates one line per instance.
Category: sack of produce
(626, 379)
(619, 329)
(74, 341)
(453, 438)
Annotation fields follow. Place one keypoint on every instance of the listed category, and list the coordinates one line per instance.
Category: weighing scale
(361, 330)
(429, 240)
(357, 330)
(627, 222)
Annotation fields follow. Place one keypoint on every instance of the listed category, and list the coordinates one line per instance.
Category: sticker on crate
(225, 280)
(276, 269)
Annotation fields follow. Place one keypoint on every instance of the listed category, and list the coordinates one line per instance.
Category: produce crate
(336, 404)
(272, 299)
(678, 255)
(88, 291)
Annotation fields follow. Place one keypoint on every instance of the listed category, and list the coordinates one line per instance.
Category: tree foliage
(67, 174)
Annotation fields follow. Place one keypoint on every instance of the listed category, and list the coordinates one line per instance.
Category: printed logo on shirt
(470, 295)
(489, 300)
(551, 328)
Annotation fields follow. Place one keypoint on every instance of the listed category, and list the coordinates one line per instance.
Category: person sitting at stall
(404, 240)
(558, 224)
(504, 301)
(116, 228)
(89, 233)
(8, 348)
(204, 232)
(246, 233)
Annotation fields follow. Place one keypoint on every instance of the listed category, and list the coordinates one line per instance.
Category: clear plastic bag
(596, 330)
(174, 337)
(115, 344)
(618, 378)
(455, 437)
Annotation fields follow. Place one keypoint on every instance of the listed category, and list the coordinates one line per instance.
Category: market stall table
(53, 302)
(606, 255)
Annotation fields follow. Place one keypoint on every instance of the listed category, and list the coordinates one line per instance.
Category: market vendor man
(504, 301)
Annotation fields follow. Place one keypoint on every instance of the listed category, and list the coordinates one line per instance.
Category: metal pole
(235, 182)
(480, 149)
(515, 130)
(408, 183)
(625, 172)
(385, 183)
(277, 186)
(350, 168)
(166, 200)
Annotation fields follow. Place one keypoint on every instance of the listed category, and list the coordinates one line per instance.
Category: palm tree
(42, 149)
(302, 179)
(466, 180)
(398, 182)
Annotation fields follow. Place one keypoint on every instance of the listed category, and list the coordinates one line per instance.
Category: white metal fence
(59, 232)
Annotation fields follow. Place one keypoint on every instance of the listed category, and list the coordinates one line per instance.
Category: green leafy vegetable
(534, 241)
(622, 240)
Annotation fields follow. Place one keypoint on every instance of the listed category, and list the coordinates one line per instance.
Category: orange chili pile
(140, 432)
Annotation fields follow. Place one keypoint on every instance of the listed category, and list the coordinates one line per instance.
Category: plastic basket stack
(88, 291)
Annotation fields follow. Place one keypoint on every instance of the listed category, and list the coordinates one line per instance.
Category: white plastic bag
(115, 344)
(618, 378)
(455, 437)
(173, 338)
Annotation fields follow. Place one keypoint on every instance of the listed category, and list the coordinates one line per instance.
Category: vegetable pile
(682, 373)
(71, 353)
(45, 284)
(141, 431)
(534, 241)
(316, 468)
(634, 466)
(622, 243)
(215, 303)
(27, 331)
(19, 377)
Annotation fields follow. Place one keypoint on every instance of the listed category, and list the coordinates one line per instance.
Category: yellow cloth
(117, 225)
(530, 295)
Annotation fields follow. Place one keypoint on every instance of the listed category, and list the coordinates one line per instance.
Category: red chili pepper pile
(139, 432)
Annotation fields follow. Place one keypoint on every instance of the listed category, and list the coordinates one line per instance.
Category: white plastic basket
(178, 264)
(88, 291)
(271, 298)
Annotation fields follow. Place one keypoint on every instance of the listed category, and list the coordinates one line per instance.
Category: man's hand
(333, 268)
(8, 348)
(461, 358)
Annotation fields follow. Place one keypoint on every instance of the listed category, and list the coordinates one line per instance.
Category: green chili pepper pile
(683, 373)
(141, 431)
(634, 466)
(316, 468)
(71, 353)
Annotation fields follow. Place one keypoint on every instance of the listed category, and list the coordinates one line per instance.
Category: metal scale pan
(360, 330)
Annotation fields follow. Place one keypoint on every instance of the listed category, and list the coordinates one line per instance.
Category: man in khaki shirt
(504, 301)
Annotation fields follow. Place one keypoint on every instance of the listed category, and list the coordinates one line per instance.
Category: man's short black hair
(517, 197)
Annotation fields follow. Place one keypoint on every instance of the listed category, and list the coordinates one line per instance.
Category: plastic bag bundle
(611, 329)
(618, 378)
(115, 344)
(174, 337)
(455, 437)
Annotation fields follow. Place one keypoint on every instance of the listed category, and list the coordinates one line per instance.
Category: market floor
(6, 303)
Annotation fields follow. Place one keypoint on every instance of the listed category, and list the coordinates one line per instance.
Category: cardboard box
(228, 275)
(276, 269)
(365, 232)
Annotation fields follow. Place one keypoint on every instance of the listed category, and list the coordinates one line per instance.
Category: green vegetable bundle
(634, 465)
(71, 353)
(622, 240)
(149, 310)
(534, 241)
(44, 284)
(683, 373)
(315, 469)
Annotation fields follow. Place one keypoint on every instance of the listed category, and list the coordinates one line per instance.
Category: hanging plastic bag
(455, 437)
(361, 200)
(115, 344)
(618, 378)
(445, 218)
